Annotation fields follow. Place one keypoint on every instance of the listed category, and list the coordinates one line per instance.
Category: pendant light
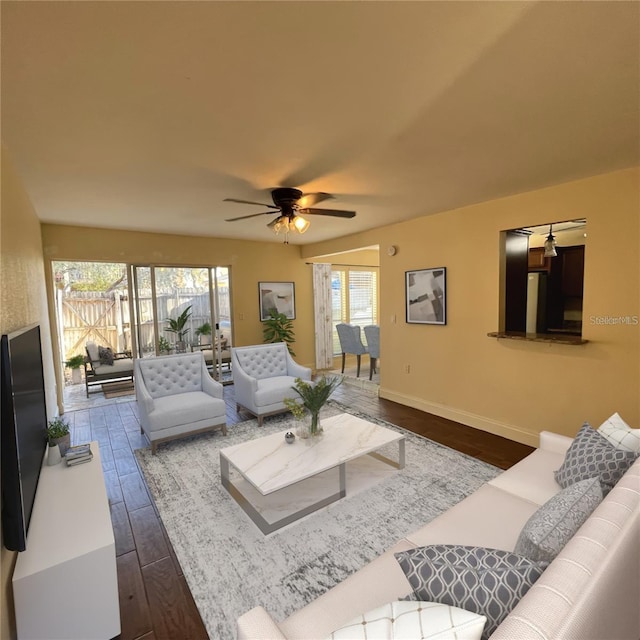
(550, 244)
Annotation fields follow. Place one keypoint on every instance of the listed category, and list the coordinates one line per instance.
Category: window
(355, 298)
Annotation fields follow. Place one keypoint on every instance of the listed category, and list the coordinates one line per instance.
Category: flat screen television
(23, 432)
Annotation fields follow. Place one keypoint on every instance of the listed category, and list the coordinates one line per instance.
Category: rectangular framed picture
(426, 294)
(279, 296)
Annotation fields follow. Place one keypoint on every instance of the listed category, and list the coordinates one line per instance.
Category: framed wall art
(426, 296)
(279, 296)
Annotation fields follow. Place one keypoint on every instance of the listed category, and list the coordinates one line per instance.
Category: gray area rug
(230, 566)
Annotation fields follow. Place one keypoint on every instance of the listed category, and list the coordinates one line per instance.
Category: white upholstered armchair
(177, 397)
(263, 376)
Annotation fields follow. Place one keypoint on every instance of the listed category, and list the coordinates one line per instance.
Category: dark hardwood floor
(155, 601)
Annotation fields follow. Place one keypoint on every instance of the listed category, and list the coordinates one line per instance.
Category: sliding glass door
(184, 309)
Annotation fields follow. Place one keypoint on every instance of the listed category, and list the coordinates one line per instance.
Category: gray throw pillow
(489, 582)
(550, 528)
(106, 355)
(592, 456)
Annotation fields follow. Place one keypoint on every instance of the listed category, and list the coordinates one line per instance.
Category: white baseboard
(464, 417)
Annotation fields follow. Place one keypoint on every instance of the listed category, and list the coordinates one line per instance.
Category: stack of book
(78, 454)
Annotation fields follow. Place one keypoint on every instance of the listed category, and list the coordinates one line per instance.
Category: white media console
(65, 585)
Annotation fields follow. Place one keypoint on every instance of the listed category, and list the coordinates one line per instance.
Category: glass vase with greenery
(314, 395)
(279, 328)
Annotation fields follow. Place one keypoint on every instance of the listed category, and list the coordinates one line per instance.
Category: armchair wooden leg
(343, 357)
(154, 448)
(260, 420)
(359, 357)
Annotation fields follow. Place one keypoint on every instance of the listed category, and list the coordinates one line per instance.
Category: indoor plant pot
(74, 363)
(58, 434)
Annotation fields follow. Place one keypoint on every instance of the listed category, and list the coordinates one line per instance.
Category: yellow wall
(22, 302)
(508, 387)
(250, 262)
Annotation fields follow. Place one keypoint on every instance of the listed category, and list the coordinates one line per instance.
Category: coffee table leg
(257, 518)
(343, 480)
(389, 461)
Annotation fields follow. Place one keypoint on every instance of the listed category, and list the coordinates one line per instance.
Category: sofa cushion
(184, 408)
(264, 362)
(271, 390)
(119, 367)
(488, 582)
(620, 434)
(415, 621)
(555, 522)
(498, 517)
(539, 465)
(172, 375)
(92, 350)
(593, 456)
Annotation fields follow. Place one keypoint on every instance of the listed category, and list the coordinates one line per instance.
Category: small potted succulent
(74, 363)
(58, 434)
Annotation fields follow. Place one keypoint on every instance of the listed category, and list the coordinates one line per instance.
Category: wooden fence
(104, 318)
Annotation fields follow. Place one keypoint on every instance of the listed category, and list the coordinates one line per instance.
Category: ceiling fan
(289, 205)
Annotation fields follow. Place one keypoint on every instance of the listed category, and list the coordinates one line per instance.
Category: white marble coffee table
(270, 465)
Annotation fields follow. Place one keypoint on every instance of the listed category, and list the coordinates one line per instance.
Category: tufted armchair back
(372, 334)
(170, 375)
(264, 360)
(350, 340)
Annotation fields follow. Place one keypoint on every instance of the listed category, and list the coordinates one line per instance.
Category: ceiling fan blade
(260, 204)
(336, 213)
(310, 199)
(253, 215)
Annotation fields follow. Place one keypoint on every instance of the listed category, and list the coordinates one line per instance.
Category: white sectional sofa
(591, 590)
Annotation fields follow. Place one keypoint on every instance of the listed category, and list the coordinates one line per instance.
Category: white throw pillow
(413, 620)
(620, 434)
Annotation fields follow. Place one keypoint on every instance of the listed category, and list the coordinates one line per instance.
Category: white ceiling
(146, 115)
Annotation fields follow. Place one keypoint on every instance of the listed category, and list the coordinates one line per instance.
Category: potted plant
(58, 434)
(74, 363)
(163, 345)
(204, 333)
(314, 396)
(177, 326)
(279, 328)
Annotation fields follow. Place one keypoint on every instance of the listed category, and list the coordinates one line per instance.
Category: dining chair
(350, 342)
(372, 335)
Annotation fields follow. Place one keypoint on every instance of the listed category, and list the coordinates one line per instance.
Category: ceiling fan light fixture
(550, 244)
(299, 223)
(280, 224)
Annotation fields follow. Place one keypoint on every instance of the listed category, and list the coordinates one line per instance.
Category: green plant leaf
(279, 328)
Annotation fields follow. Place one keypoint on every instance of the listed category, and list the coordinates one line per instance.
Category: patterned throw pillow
(590, 455)
(106, 355)
(555, 522)
(620, 434)
(489, 582)
(414, 620)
